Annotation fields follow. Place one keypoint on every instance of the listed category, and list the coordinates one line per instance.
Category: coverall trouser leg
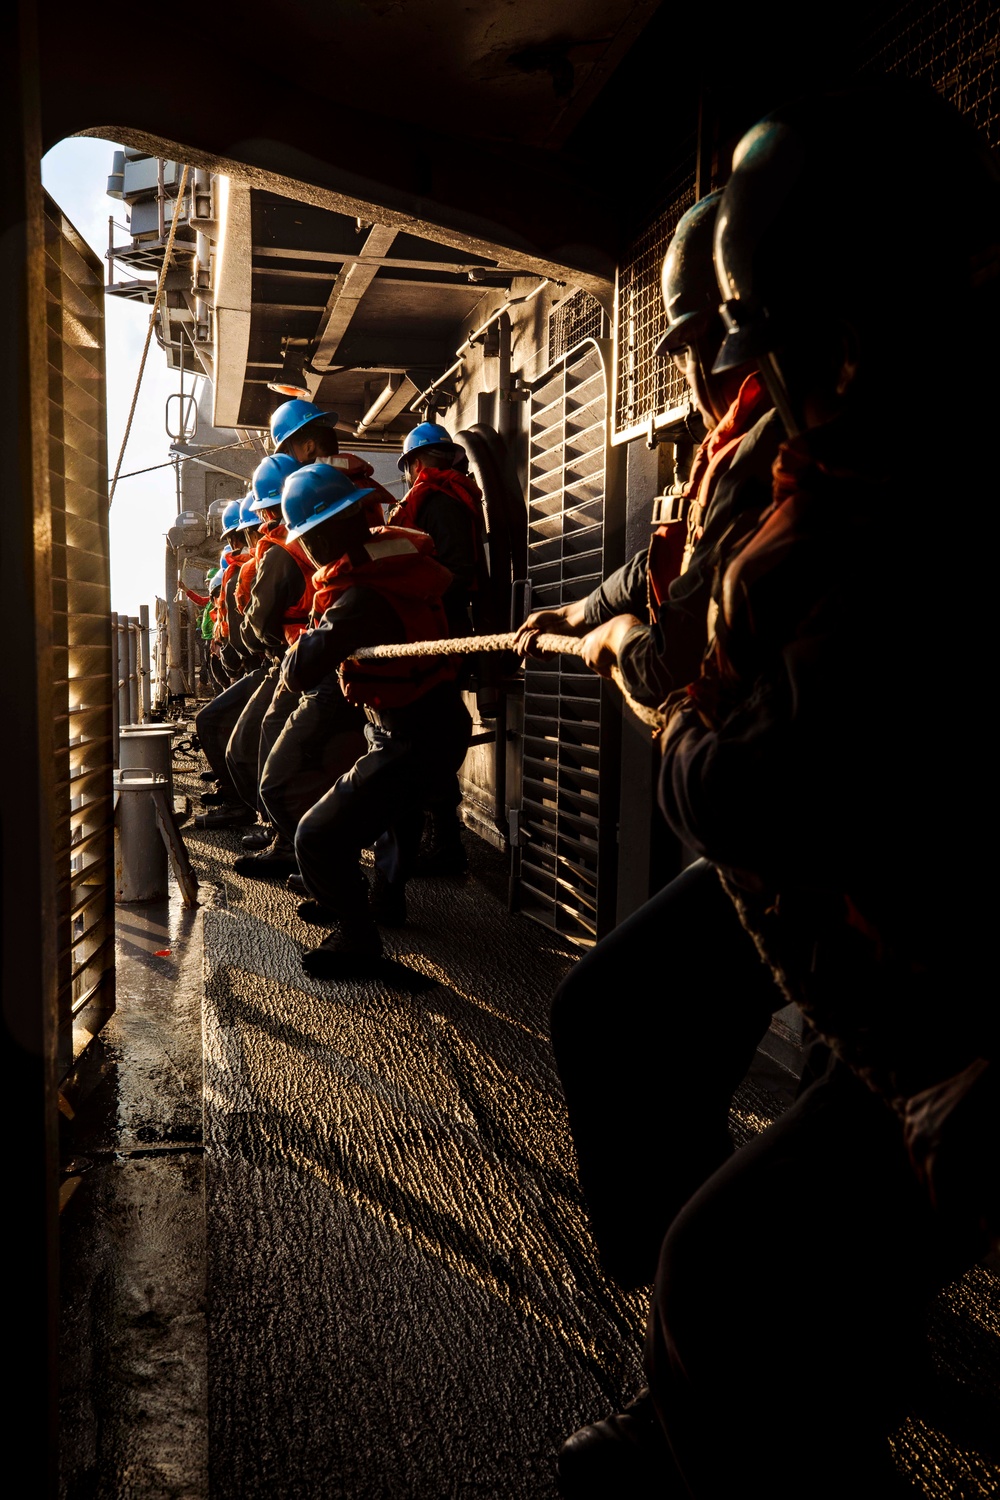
(809, 1258)
(279, 711)
(653, 1030)
(379, 802)
(243, 749)
(322, 738)
(216, 722)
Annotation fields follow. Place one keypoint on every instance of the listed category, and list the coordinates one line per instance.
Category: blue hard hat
(426, 435)
(268, 478)
(231, 517)
(248, 516)
(313, 494)
(291, 416)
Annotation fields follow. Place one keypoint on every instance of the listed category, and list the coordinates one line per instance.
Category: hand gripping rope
(566, 645)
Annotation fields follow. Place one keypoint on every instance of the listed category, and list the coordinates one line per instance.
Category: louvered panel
(82, 837)
(566, 871)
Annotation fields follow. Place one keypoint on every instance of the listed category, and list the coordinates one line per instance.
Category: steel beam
(347, 291)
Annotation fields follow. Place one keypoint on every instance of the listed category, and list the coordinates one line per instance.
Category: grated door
(83, 840)
(572, 725)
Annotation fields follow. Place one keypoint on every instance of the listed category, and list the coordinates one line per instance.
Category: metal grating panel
(81, 633)
(953, 46)
(644, 385)
(566, 874)
(573, 320)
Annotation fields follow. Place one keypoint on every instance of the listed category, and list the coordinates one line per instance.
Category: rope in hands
(548, 645)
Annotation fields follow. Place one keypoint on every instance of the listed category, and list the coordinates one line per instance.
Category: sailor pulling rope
(566, 645)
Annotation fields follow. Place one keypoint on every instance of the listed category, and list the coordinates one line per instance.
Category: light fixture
(290, 381)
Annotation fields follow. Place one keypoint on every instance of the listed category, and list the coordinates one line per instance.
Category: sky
(75, 174)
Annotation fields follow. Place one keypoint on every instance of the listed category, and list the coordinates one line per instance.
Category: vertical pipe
(144, 682)
(161, 217)
(505, 406)
(161, 662)
(202, 206)
(121, 635)
(111, 246)
(176, 686)
(132, 648)
(114, 688)
(174, 678)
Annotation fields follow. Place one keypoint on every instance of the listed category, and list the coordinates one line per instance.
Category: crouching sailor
(373, 588)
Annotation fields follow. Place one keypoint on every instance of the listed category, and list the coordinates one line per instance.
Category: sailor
(309, 434)
(243, 661)
(211, 627)
(444, 500)
(649, 1075)
(649, 618)
(811, 763)
(372, 588)
(276, 613)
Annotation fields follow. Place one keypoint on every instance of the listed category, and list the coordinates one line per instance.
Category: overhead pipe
(381, 401)
(473, 339)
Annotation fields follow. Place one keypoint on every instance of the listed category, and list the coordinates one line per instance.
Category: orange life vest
(672, 544)
(244, 584)
(234, 564)
(297, 615)
(400, 566)
(441, 481)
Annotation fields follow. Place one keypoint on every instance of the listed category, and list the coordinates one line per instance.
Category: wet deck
(327, 1239)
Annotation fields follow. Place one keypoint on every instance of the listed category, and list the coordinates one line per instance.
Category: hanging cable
(175, 220)
(186, 458)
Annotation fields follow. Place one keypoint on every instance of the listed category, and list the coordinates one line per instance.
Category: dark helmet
(292, 416)
(268, 479)
(690, 290)
(231, 517)
(316, 493)
(812, 229)
(424, 435)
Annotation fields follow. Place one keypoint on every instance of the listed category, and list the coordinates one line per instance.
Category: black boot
(442, 852)
(270, 864)
(349, 950)
(387, 902)
(626, 1454)
(258, 838)
(227, 816)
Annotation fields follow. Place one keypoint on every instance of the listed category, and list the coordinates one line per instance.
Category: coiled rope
(549, 645)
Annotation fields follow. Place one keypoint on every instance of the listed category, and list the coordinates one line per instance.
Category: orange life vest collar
(440, 481)
(234, 563)
(672, 544)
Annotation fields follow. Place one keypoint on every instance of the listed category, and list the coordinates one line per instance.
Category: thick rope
(149, 331)
(548, 645)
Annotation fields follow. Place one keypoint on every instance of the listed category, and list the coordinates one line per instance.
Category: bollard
(140, 853)
(149, 745)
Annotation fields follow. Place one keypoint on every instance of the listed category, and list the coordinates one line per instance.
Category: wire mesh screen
(82, 834)
(578, 317)
(646, 385)
(953, 46)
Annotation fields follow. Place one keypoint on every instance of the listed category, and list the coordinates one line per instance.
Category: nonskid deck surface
(402, 1298)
